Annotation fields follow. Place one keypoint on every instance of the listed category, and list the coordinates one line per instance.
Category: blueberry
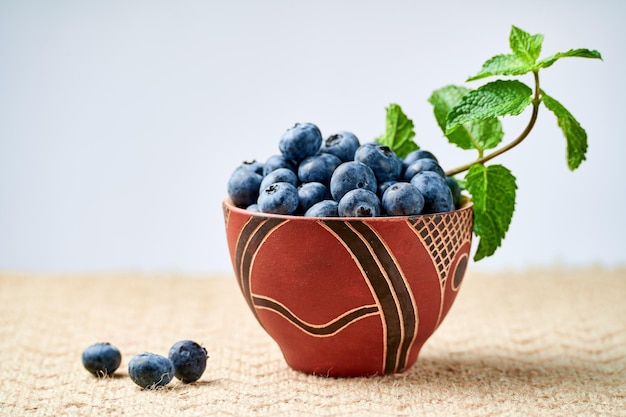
(455, 188)
(253, 207)
(278, 161)
(387, 166)
(318, 168)
(279, 198)
(243, 187)
(402, 199)
(300, 141)
(253, 166)
(341, 144)
(150, 371)
(417, 154)
(423, 164)
(310, 193)
(437, 194)
(279, 175)
(383, 187)
(101, 359)
(326, 208)
(349, 176)
(359, 203)
(189, 359)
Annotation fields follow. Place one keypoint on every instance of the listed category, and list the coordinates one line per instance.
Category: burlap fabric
(537, 343)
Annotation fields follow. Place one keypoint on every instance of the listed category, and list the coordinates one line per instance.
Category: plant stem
(511, 145)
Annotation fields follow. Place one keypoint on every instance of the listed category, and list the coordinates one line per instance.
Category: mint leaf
(399, 133)
(444, 99)
(572, 53)
(525, 45)
(462, 183)
(487, 133)
(493, 193)
(508, 64)
(498, 98)
(575, 135)
(480, 135)
(526, 49)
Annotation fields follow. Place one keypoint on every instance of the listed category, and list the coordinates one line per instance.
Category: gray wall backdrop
(121, 121)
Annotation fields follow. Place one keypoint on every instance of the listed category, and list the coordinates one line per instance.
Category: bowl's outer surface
(349, 297)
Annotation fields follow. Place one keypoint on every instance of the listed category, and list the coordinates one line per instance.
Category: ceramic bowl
(349, 296)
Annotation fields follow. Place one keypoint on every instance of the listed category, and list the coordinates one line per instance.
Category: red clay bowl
(349, 296)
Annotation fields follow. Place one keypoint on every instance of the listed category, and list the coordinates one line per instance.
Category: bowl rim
(227, 203)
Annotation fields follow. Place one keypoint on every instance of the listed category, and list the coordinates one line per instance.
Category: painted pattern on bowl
(346, 296)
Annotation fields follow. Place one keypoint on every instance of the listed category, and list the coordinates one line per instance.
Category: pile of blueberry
(186, 361)
(339, 177)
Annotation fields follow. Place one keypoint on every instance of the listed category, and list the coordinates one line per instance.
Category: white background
(121, 121)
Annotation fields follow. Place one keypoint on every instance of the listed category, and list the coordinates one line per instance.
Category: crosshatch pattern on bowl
(396, 275)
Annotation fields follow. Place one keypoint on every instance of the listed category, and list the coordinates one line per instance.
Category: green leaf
(399, 133)
(526, 49)
(575, 135)
(498, 98)
(444, 99)
(525, 45)
(508, 64)
(572, 53)
(487, 133)
(462, 183)
(481, 134)
(493, 193)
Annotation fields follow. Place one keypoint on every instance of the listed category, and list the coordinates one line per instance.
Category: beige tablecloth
(541, 342)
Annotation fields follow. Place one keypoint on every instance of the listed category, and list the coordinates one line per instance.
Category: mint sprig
(480, 135)
(508, 64)
(399, 132)
(575, 135)
(573, 53)
(493, 193)
(470, 119)
(524, 45)
(526, 49)
(498, 98)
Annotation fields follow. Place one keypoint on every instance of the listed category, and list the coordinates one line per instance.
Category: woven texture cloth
(533, 343)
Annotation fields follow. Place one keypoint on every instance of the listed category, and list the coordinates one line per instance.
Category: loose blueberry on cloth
(101, 359)
(189, 359)
(150, 371)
